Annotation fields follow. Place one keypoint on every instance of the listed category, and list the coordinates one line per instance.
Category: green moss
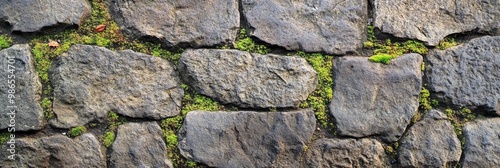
(424, 100)
(447, 43)
(391, 150)
(108, 138)
(319, 99)
(77, 131)
(113, 122)
(381, 58)
(458, 118)
(4, 137)
(47, 108)
(170, 126)
(384, 50)
(5, 41)
(245, 43)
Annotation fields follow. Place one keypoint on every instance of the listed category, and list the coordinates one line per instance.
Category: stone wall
(250, 83)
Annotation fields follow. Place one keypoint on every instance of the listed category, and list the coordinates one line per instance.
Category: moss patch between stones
(171, 126)
(384, 51)
(447, 43)
(113, 122)
(5, 41)
(245, 43)
(77, 131)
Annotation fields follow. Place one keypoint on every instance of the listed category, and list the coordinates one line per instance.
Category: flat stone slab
(482, 147)
(330, 26)
(139, 145)
(430, 21)
(33, 16)
(468, 74)
(431, 142)
(89, 81)
(20, 82)
(374, 99)
(190, 23)
(248, 80)
(246, 139)
(346, 153)
(54, 151)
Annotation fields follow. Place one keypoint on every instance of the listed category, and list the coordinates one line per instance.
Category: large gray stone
(139, 145)
(89, 81)
(34, 15)
(248, 80)
(54, 151)
(331, 26)
(374, 99)
(430, 21)
(188, 22)
(431, 142)
(346, 153)
(27, 90)
(482, 147)
(246, 139)
(468, 74)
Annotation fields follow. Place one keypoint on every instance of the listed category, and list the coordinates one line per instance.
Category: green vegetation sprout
(77, 131)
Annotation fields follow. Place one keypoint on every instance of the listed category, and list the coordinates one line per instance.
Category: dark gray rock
(430, 21)
(139, 145)
(54, 151)
(374, 99)
(346, 153)
(192, 22)
(248, 80)
(431, 142)
(468, 74)
(482, 147)
(246, 139)
(32, 15)
(89, 81)
(334, 27)
(26, 101)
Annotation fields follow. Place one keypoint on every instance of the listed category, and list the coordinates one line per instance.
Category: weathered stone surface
(431, 142)
(467, 75)
(24, 85)
(482, 147)
(375, 99)
(334, 27)
(33, 15)
(139, 145)
(246, 139)
(248, 80)
(193, 22)
(346, 153)
(89, 81)
(430, 21)
(55, 151)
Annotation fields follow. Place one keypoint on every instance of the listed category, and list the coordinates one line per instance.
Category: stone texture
(468, 74)
(431, 142)
(334, 27)
(189, 22)
(55, 151)
(89, 81)
(34, 15)
(246, 139)
(139, 145)
(482, 147)
(374, 99)
(28, 113)
(346, 153)
(248, 80)
(430, 21)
